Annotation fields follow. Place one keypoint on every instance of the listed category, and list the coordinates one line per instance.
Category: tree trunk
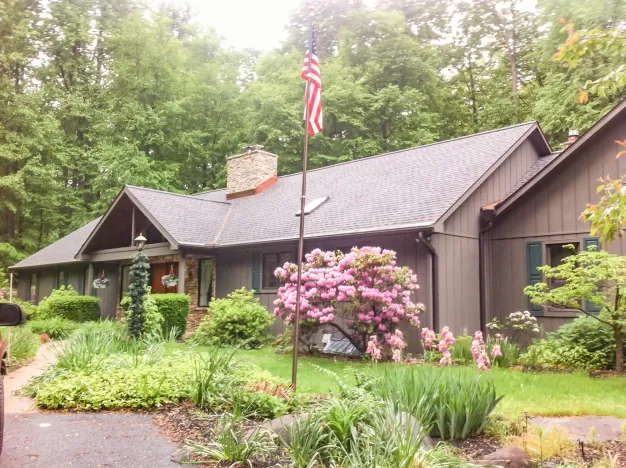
(619, 348)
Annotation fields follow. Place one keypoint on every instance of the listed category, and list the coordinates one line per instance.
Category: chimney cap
(251, 148)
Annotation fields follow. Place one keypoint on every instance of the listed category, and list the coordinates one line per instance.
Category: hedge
(76, 308)
(175, 309)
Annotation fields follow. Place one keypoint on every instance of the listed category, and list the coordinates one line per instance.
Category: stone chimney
(251, 172)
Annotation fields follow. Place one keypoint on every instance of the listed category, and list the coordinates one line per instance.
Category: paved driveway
(84, 440)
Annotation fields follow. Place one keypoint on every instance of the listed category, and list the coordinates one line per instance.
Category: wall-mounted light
(140, 241)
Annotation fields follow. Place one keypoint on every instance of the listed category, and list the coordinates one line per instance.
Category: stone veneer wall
(196, 314)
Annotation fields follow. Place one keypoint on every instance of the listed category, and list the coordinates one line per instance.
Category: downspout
(481, 277)
(421, 238)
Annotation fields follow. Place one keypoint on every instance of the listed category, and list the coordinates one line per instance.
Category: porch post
(89, 282)
(181, 273)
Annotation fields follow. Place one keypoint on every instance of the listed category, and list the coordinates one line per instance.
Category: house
(473, 217)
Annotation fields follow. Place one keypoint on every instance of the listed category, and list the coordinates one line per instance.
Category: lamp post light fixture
(140, 241)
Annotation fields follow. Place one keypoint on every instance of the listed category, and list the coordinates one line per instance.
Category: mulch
(185, 424)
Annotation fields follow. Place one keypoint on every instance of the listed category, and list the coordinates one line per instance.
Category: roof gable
(557, 159)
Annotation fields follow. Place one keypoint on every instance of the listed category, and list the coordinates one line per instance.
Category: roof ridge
(192, 197)
(532, 122)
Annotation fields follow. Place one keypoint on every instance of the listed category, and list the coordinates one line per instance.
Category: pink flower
(446, 360)
(496, 350)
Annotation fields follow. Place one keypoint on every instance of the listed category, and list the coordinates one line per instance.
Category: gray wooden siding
(465, 220)
(550, 212)
(458, 248)
(459, 300)
(234, 270)
(108, 296)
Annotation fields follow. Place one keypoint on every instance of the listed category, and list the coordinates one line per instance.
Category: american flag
(314, 93)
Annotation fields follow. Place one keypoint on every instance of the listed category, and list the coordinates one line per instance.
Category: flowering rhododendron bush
(365, 284)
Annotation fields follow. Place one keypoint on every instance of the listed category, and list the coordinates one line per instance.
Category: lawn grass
(534, 393)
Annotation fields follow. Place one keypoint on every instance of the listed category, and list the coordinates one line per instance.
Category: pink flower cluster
(374, 349)
(365, 283)
(479, 352)
(446, 340)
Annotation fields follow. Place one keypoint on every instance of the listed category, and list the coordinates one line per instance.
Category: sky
(257, 24)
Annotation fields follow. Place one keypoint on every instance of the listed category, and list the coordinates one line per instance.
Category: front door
(157, 272)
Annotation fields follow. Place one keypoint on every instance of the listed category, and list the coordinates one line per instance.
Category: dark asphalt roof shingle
(408, 188)
(61, 251)
(404, 189)
(188, 219)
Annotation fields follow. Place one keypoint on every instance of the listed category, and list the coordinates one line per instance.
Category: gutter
(421, 239)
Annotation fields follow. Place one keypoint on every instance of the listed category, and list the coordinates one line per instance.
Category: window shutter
(55, 281)
(534, 259)
(587, 242)
(256, 273)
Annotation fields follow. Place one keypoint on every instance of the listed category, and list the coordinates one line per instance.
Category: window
(32, 289)
(556, 254)
(272, 261)
(205, 282)
(61, 279)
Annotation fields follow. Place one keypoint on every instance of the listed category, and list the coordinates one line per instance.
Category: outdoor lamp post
(140, 241)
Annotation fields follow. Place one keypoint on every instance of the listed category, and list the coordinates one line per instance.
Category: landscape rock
(277, 426)
(509, 457)
(414, 424)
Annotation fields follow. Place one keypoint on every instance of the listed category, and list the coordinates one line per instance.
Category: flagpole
(296, 326)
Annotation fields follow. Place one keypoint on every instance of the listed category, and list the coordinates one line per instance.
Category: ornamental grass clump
(453, 403)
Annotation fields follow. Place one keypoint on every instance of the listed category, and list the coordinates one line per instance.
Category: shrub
(152, 320)
(175, 309)
(237, 320)
(583, 343)
(67, 303)
(111, 370)
(23, 342)
(56, 328)
(454, 403)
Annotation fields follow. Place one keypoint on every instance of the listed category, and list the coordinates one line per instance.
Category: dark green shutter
(587, 242)
(55, 281)
(534, 260)
(256, 273)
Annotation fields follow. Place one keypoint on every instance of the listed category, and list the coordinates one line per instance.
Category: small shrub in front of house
(583, 344)
(175, 310)
(152, 320)
(68, 304)
(237, 320)
(57, 328)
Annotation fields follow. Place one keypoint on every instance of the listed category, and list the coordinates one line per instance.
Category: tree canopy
(95, 94)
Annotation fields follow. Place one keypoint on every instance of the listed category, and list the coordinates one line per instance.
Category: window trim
(213, 273)
(264, 289)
